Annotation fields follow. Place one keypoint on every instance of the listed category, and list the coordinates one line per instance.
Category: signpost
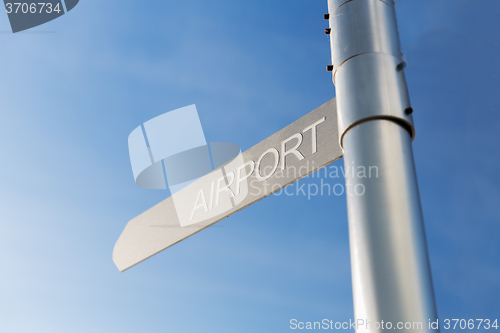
(292, 153)
(390, 267)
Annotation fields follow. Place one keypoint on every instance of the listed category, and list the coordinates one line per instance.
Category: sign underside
(305, 146)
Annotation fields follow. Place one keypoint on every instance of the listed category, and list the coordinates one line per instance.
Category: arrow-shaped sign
(292, 153)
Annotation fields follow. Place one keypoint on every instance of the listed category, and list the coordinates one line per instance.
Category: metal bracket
(368, 64)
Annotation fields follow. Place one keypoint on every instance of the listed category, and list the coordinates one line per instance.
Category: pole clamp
(367, 64)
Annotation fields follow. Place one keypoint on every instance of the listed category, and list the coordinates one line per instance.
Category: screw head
(401, 66)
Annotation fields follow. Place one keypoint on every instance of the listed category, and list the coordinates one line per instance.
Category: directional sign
(294, 152)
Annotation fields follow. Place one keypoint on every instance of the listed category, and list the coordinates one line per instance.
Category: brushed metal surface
(333, 5)
(389, 262)
(362, 26)
(366, 53)
(292, 153)
(390, 267)
(369, 86)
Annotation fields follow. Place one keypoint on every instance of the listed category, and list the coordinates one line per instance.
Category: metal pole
(391, 277)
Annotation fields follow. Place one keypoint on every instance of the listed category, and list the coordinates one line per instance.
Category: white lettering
(211, 196)
(202, 204)
(224, 188)
(294, 150)
(276, 154)
(314, 134)
(239, 178)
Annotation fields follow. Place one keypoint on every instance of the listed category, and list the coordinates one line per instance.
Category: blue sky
(72, 90)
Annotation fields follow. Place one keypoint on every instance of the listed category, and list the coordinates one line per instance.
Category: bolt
(329, 68)
(326, 16)
(401, 66)
(328, 31)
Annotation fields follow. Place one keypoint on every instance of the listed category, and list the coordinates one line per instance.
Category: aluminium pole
(389, 262)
